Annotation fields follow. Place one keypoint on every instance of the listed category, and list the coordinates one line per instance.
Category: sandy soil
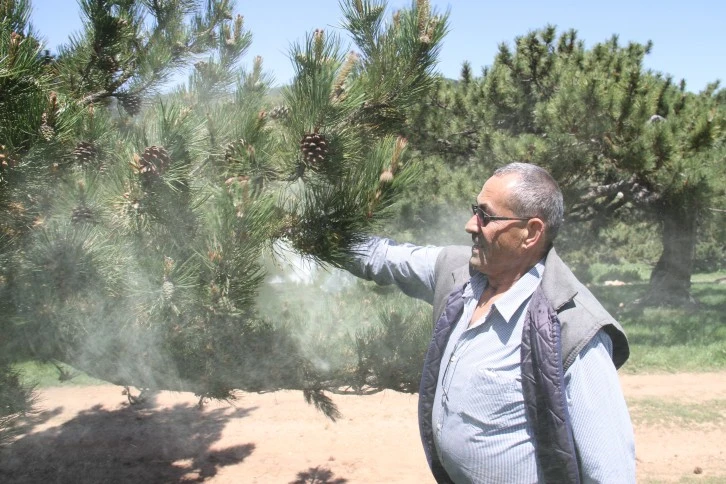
(92, 435)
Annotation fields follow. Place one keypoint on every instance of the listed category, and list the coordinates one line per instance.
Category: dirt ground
(92, 435)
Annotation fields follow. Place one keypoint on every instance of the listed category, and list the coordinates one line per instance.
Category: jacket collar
(559, 284)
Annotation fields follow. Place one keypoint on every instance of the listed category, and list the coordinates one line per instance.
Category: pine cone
(85, 152)
(154, 161)
(233, 150)
(47, 131)
(131, 103)
(279, 112)
(82, 214)
(314, 147)
(108, 63)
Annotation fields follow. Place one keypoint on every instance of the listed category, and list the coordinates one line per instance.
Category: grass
(654, 411)
(48, 375)
(691, 479)
(672, 339)
(626, 272)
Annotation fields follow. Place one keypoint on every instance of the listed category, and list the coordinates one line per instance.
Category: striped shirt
(480, 427)
(479, 420)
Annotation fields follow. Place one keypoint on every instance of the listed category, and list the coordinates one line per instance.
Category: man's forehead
(496, 190)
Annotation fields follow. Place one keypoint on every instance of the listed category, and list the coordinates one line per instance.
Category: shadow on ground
(318, 475)
(131, 444)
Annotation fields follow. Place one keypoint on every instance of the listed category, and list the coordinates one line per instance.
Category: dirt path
(89, 434)
(680, 425)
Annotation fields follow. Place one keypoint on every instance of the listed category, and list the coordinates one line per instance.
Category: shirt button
(438, 426)
(453, 358)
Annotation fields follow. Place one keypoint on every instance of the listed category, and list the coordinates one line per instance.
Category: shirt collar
(511, 300)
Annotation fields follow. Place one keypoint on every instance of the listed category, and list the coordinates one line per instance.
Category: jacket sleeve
(601, 423)
(408, 266)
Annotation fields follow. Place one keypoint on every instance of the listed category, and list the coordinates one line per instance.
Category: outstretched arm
(408, 266)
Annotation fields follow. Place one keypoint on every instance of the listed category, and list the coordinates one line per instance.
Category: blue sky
(689, 36)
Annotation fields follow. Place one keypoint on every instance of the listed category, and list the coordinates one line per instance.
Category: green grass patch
(48, 375)
(672, 339)
(626, 272)
(708, 277)
(654, 411)
(700, 479)
(673, 359)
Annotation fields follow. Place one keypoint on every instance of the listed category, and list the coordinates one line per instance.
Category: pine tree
(624, 142)
(154, 213)
(619, 137)
(24, 86)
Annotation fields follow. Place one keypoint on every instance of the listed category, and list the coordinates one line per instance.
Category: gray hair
(538, 195)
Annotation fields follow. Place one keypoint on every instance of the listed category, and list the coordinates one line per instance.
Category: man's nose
(472, 225)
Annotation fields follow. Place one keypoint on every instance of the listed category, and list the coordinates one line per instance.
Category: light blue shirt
(480, 427)
(479, 421)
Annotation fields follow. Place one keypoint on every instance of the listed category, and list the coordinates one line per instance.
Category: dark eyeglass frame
(484, 218)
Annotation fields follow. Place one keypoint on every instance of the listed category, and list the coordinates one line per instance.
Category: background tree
(626, 144)
(619, 137)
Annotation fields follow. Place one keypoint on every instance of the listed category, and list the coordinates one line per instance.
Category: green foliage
(23, 81)
(16, 398)
(137, 228)
(126, 49)
(390, 354)
(22, 84)
(345, 113)
(625, 144)
(621, 140)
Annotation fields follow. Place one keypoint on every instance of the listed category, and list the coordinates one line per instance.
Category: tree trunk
(670, 281)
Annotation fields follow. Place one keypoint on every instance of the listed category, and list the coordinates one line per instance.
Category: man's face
(496, 248)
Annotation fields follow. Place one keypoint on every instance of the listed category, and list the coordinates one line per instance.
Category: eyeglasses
(484, 218)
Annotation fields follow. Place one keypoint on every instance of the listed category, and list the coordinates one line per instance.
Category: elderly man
(519, 382)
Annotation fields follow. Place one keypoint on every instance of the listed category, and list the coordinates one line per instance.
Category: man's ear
(535, 233)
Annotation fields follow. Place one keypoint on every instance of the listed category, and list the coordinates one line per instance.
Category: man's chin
(475, 261)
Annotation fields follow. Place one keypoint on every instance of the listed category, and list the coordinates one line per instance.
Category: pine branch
(149, 239)
(322, 402)
(603, 200)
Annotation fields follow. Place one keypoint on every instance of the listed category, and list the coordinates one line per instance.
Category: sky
(689, 37)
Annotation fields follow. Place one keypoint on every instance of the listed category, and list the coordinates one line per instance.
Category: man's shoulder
(452, 257)
(580, 313)
(451, 269)
(562, 288)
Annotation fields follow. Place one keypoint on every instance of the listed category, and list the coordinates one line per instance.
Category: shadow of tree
(318, 475)
(34, 418)
(131, 444)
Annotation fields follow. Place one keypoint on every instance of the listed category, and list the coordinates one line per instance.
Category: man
(519, 382)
